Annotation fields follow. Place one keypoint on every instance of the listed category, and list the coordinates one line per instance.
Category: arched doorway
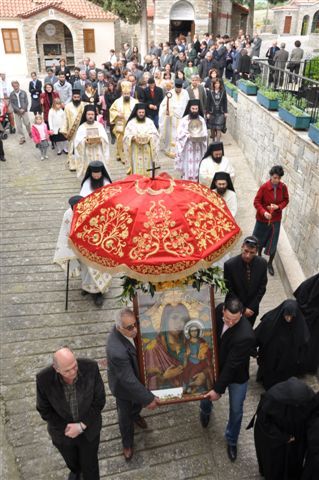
(54, 41)
(181, 20)
(315, 23)
(305, 25)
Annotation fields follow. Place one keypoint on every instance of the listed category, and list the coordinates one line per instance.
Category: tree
(130, 11)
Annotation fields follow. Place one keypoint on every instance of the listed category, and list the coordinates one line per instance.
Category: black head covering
(307, 296)
(192, 102)
(271, 323)
(179, 83)
(88, 108)
(96, 166)
(74, 200)
(213, 147)
(137, 106)
(292, 392)
(76, 91)
(222, 176)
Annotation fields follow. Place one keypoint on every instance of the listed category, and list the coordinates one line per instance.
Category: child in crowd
(40, 135)
(56, 121)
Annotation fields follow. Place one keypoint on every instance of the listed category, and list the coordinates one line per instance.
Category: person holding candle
(272, 197)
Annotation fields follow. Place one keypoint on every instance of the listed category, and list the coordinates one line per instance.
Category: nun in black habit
(307, 296)
(280, 429)
(282, 337)
(311, 466)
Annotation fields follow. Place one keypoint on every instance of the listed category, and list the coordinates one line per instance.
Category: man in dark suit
(123, 375)
(196, 90)
(246, 277)
(236, 342)
(70, 398)
(153, 97)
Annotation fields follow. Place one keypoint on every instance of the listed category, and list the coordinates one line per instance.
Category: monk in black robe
(307, 296)
(280, 429)
(282, 338)
(311, 466)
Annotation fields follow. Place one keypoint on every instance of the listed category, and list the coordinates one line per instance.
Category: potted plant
(231, 89)
(268, 98)
(294, 116)
(247, 86)
(313, 132)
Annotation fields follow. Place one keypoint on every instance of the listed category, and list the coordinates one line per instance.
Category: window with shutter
(11, 40)
(89, 40)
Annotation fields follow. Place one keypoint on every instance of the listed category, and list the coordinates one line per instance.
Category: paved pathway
(34, 325)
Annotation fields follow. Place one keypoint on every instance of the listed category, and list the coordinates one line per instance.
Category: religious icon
(177, 343)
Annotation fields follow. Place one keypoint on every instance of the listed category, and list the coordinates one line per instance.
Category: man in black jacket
(246, 277)
(236, 342)
(153, 97)
(70, 398)
(123, 375)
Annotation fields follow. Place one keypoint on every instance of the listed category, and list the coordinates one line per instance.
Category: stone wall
(266, 140)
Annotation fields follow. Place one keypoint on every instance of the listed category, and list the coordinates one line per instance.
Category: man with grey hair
(123, 375)
(280, 60)
(70, 398)
(196, 90)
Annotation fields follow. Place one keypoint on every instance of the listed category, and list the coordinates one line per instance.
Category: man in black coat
(246, 277)
(70, 398)
(236, 342)
(153, 97)
(123, 375)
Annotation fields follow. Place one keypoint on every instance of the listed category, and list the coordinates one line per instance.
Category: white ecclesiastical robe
(73, 116)
(208, 168)
(86, 152)
(86, 188)
(230, 199)
(188, 151)
(170, 114)
(141, 145)
(93, 281)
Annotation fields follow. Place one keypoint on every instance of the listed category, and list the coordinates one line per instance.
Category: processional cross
(153, 169)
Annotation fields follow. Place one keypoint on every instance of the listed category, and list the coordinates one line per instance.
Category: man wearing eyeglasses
(70, 398)
(123, 375)
(246, 277)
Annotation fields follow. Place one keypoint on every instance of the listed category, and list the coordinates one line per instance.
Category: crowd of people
(173, 99)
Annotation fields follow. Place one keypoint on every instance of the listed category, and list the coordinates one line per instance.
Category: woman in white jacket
(56, 120)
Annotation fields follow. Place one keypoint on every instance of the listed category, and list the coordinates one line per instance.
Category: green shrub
(312, 69)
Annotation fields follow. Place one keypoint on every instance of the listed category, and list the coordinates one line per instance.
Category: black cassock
(307, 296)
(282, 345)
(311, 467)
(281, 415)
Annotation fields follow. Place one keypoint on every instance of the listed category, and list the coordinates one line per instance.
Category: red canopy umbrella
(152, 230)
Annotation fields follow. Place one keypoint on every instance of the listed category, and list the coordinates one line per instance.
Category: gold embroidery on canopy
(161, 232)
(84, 208)
(207, 194)
(207, 226)
(108, 230)
(150, 191)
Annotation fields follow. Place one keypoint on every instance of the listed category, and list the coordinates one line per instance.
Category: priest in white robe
(191, 141)
(96, 176)
(141, 141)
(93, 281)
(91, 142)
(214, 161)
(171, 112)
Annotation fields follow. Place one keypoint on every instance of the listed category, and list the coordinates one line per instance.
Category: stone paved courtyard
(34, 324)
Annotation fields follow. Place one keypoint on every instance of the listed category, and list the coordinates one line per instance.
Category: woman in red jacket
(46, 100)
(272, 197)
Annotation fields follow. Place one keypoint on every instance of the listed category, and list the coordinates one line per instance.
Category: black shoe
(59, 153)
(2, 159)
(271, 269)
(66, 153)
(232, 452)
(98, 299)
(53, 146)
(12, 129)
(204, 419)
(84, 293)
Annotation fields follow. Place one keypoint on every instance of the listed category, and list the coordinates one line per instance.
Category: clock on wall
(50, 29)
